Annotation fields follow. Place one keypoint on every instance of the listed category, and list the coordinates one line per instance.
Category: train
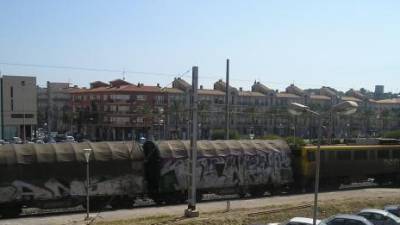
(53, 175)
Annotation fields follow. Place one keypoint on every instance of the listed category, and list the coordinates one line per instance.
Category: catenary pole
(227, 119)
(191, 210)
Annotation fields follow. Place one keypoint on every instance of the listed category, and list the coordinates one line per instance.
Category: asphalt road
(77, 218)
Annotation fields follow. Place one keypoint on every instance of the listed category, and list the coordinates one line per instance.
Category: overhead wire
(153, 73)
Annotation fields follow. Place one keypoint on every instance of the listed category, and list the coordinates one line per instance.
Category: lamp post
(344, 108)
(87, 152)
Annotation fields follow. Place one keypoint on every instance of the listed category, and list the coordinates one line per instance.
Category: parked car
(379, 217)
(39, 141)
(3, 142)
(345, 219)
(393, 209)
(16, 140)
(297, 221)
(69, 139)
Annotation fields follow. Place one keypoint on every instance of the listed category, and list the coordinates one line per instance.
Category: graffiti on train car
(267, 167)
(227, 171)
(54, 189)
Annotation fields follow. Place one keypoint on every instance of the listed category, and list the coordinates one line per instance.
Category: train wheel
(257, 192)
(95, 204)
(11, 211)
(199, 197)
(122, 203)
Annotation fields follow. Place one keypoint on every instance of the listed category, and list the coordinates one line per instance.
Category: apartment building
(120, 110)
(54, 107)
(18, 107)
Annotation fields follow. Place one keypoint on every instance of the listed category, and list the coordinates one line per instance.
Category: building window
(12, 91)
(123, 108)
(141, 97)
(360, 155)
(20, 116)
(119, 120)
(120, 97)
(159, 99)
(396, 154)
(383, 154)
(12, 104)
(343, 155)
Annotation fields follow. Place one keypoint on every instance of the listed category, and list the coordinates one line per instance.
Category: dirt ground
(245, 211)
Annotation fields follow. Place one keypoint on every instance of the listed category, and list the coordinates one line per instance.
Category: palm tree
(204, 107)
(252, 112)
(176, 111)
(148, 118)
(366, 114)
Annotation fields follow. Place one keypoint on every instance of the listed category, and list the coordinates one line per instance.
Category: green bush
(295, 141)
(220, 134)
(392, 134)
(271, 137)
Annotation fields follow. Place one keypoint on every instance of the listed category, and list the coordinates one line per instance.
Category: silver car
(345, 219)
(393, 209)
(297, 221)
(379, 217)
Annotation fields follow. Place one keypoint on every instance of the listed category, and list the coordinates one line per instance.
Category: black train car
(223, 167)
(53, 175)
(343, 164)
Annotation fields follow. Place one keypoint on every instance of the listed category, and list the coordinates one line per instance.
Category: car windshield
(394, 211)
(393, 217)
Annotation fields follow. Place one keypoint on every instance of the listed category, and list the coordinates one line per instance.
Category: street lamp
(344, 108)
(87, 152)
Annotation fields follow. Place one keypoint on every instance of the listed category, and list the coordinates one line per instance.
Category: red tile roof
(123, 88)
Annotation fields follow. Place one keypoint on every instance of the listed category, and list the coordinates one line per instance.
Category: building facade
(54, 107)
(119, 110)
(18, 107)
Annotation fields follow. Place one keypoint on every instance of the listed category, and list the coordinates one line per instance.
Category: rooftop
(286, 95)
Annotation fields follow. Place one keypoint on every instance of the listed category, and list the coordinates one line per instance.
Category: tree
(219, 134)
(204, 108)
(392, 134)
(176, 110)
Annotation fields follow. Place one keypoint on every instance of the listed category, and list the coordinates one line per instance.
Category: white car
(379, 217)
(393, 209)
(297, 221)
(69, 139)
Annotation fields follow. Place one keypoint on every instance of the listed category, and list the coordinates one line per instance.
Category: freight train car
(53, 175)
(223, 167)
(343, 164)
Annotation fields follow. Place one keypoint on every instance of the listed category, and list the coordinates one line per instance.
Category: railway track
(143, 203)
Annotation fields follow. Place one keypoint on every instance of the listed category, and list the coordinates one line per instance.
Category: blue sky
(342, 44)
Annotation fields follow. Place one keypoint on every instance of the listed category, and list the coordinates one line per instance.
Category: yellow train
(343, 164)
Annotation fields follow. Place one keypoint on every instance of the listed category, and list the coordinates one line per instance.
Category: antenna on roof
(123, 74)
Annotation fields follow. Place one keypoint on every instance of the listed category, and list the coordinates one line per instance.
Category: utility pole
(191, 210)
(23, 112)
(227, 119)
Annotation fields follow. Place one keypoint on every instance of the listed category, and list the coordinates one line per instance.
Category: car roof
(382, 212)
(378, 211)
(352, 217)
(303, 220)
(392, 206)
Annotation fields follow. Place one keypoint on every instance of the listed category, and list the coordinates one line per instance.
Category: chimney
(240, 89)
(158, 85)
(201, 87)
